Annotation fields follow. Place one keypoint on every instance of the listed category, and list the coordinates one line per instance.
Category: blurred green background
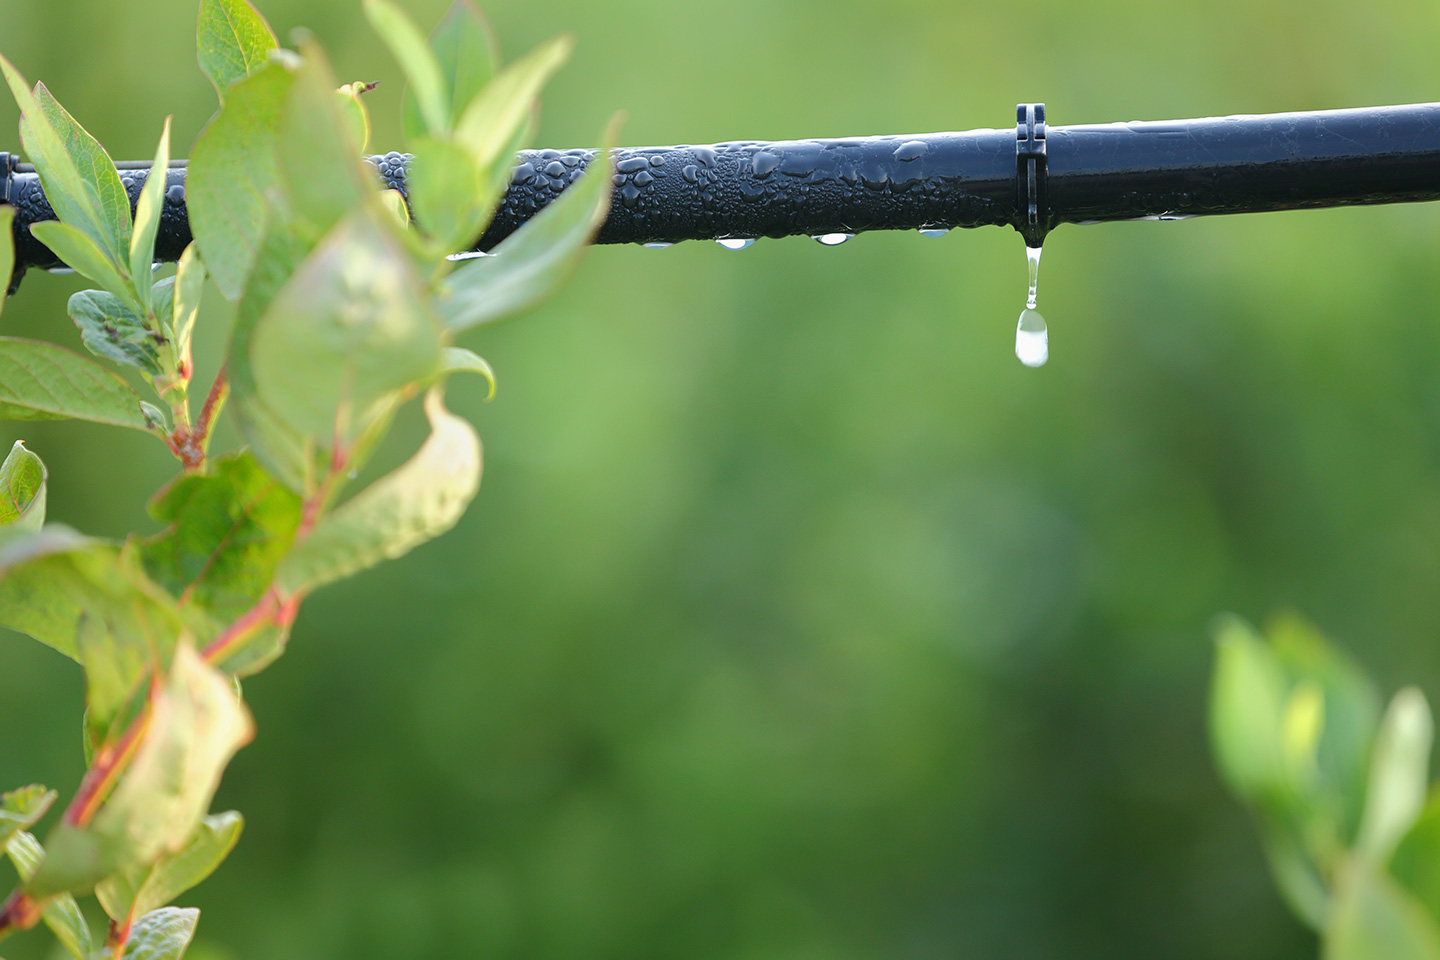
(795, 619)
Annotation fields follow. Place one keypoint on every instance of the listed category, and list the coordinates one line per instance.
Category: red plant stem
(109, 762)
(214, 400)
(20, 912)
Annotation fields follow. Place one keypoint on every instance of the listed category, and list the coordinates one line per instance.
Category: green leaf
(1416, 862)
(460, 360)
(348, 332)
(139, 890)
(530, 263)
(1351, 713)
(40, 381)
(189, 286)
(226, 531)
(80, 252)
(7, 250)
(1296, 876)
(319, 160)
(466, 51)
(350, 99)
(1399, 774)
(407, 44)
(75, 200)
(489, 122)
(421, 500)
(21, 808)
(1373, 918)
(111, 329)
(449, 195)
(61, 913)
(147, 216)
(233, 180)
(232, 41)
(22, 490)
(162, 934)
(1247, 698)
(197, 722)
(98, 173)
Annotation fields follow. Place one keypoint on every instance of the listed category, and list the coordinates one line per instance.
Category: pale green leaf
(61, 913)
(1374, 918)
(233, 180)
(40, 381)
(1416, 861)
(460, 360)
(232, 41)
(22, 807)
(350, 100)
(147, 216)
(449, 195)
(189, 285)
(530, 263)
(22, 490)
(110, 329)
(197, 722)
(407, 44)
(1247, 697)
(80, 252)
(1399, 775)
(466, 51)
(139, 890)
(7, 250)
(348, 331)
(490, 120)
(98, 173)
(162, 934)
(419, 501)
(66, 189)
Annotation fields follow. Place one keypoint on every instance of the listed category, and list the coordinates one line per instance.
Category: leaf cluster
(1339, 788)
(348, 299)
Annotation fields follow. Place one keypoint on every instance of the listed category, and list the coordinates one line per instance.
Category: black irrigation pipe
(1033, 177)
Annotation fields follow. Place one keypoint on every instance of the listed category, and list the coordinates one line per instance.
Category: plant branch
(110, 761)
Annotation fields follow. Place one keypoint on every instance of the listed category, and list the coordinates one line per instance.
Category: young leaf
(350, 99)
(352, 318)
(99, 175)
(1399, 774)
(466, 51)
(491, 119)
(147, 217)
(449, 194)
(70, 196)
(111, 329)
(40, 381)
(189, 285)
(7, 250)
(1416, 862)
(1373, 918)
(232, 41)
(533, 260)
(226, 532)
(22, 490)
(1246, 704)
(80, 252)
(196, 724)
(233, 176)
(162, 934)
(20, 808)
(407, 44)
(419, 501)
(61, 913)
(460, 360)
(139, 890)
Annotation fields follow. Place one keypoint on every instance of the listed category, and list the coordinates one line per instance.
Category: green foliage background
(795, 619)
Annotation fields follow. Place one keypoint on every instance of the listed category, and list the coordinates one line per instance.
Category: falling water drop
(833, 239)
(658, 245)
(736, 243)
(1032, 337)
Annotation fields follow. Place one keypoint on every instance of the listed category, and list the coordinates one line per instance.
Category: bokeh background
(795, 619)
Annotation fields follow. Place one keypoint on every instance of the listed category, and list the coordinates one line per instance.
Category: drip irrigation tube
(1033, 178)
